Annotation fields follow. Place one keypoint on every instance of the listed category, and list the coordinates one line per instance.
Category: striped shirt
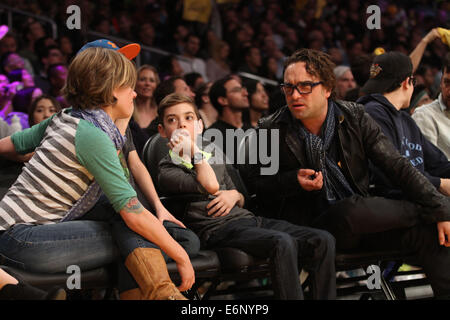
(69, 154)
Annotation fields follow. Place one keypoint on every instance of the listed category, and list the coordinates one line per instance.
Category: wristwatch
(198, 157)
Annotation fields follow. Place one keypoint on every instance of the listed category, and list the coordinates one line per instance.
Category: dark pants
(376, 223)
(288, 247)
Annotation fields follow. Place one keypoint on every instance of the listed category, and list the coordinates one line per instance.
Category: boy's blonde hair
(172, 100)
(93, 75)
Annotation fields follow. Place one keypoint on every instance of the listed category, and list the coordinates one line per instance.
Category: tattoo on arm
(134, 206)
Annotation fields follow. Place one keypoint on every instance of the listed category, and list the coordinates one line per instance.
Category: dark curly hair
(317, 63)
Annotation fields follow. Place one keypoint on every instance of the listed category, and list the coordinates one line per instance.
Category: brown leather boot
(149, 270)
(133, 294)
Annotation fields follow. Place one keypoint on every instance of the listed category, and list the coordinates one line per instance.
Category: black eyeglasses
(413, 80)
(301, 87)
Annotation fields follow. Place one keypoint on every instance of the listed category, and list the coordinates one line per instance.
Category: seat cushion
(204, 261)
(206, 265)
(345, 260)
(97, 278)
(236, 260)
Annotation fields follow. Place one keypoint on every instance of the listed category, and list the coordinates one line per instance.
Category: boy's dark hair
(317, 63)
(446, 63)
(172, 100)
(165, 88)
(218, 90)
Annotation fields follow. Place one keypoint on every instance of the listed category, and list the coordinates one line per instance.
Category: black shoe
(23, 291)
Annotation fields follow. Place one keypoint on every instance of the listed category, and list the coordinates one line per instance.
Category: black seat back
(154, 150)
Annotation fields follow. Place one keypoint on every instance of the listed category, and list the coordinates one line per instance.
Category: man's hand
(444, 233)
(432, 35)
(223, 203)
(444, 188)
(164, 215)
(309, 179)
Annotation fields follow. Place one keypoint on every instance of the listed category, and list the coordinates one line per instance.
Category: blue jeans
(88, 243)
(52, 248)
(127, 240)
(287, 246)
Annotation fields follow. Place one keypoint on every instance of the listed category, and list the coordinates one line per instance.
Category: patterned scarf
(335, 184)
(103, 121)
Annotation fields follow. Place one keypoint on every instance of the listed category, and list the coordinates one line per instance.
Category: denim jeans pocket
(4, 260)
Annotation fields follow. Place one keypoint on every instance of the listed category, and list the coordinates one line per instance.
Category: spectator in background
(434, 118)
(360, 68)
(259, 102)
(11, 61)
(270, 49)
(419, 98)
(145, 110)
(51, 55)
(389, 91)
(252, 58)
(270, 69)
(125, 26)
(21, 102)
(57, 76)
(9, 44)
(31, 33)
(207, 111)
(147, 38)
(23, 98)
(169, 67)
(40, 48)
(190, 61)
(336, 55)
(42, 108)
(179, 38)
(230, 99)
(344, 81)
(218, 66)
(66, 47)
(425, 76)
(22, 76)
(102, 25)
(145, 106)
(194, 80)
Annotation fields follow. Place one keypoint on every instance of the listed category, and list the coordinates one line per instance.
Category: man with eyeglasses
(230, 99)
(388, 92)
(325, 146)
(434, 119)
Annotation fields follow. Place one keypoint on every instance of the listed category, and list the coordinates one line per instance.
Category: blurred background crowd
(204, 40)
